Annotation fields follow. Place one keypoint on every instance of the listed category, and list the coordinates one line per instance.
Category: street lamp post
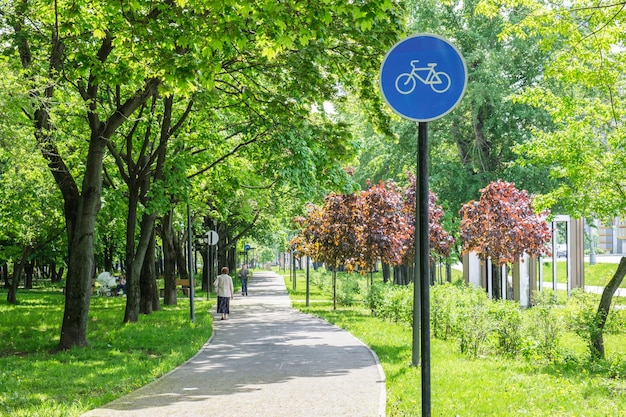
(190, 251)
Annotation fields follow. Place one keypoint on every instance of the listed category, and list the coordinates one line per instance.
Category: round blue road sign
(423, 77)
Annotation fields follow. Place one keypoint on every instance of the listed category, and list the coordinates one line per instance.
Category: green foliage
(322, 280)
(444, 311)
(397, 305)
(348, 289)
(479, 325)
(582, 92)
(508, 327)
(474, 324)
(375, 296)
(544, 327)
(473, 145)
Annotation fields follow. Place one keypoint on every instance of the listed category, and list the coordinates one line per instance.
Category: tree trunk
(205, 267)
(29, 269)
(133, 268)
(18, 268)
(135, 297)
(181, 260)
(151, 259)
(58, 276)
(109, 249)
(81, 261)
(149, 300)
(169, 258)
(334, 288)
(496, 290)
(5, 275)
(597, 339)
(386, 272)
(433, 271)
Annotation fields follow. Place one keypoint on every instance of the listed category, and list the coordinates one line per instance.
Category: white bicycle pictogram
(439, 81)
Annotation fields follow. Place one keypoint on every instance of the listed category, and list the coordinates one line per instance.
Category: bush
(544, 326)
(392, 302)
(507, 328)
(581, 315)
(347, 289)
(475, 324)
(322, 280)
(375, 296)
(444, 311)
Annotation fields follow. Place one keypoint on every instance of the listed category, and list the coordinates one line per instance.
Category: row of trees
(136, 107)
(357, 230)
(360, 229)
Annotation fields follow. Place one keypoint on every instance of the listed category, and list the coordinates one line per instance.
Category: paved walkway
(266, 360)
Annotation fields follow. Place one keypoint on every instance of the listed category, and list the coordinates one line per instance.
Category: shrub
(474, 322)
(347, 288)
(321, 280)
(581, 315)
(544, 326)
(396, 304)
(444, 310)
(507, 327)
(375, 296)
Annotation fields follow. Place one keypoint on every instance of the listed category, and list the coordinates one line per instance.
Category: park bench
(183, 283)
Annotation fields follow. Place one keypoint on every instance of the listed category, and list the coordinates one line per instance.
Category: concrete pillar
(472, 271)
(522, 281)
(535, 277)
(577, 254)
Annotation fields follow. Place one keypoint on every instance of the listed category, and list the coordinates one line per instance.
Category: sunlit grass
(119, 358)
(492, 385)
(595, 275)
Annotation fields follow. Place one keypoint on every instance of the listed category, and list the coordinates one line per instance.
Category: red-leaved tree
(357, 230)
(503, 226)
(332, 234)
(386, 231)
(440, 241)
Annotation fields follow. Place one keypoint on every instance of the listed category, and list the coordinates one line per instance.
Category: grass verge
(570, 386)
(120, 358)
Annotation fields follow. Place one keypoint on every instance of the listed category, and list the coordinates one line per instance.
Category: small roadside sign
(213, 237)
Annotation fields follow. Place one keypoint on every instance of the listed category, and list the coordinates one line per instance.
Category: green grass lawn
(487, 386)
(123, 357)
(119, 358)
(596, 275)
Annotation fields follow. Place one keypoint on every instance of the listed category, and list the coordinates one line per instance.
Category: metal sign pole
(424, 249)
(422, 78)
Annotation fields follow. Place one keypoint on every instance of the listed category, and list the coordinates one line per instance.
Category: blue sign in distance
(423, 77)
(246, 247)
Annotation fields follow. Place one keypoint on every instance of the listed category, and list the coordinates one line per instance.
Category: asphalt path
(266, 359)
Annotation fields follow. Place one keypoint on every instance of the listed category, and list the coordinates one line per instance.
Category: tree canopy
(502, 225)
(90, 72)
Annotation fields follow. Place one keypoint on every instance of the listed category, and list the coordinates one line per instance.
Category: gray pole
(424, 258)
(190, 250)
(293, 263)
(592, 249)
(208, 264)
(307, 281)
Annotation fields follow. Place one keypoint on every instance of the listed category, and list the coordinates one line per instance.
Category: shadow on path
(267, 359)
